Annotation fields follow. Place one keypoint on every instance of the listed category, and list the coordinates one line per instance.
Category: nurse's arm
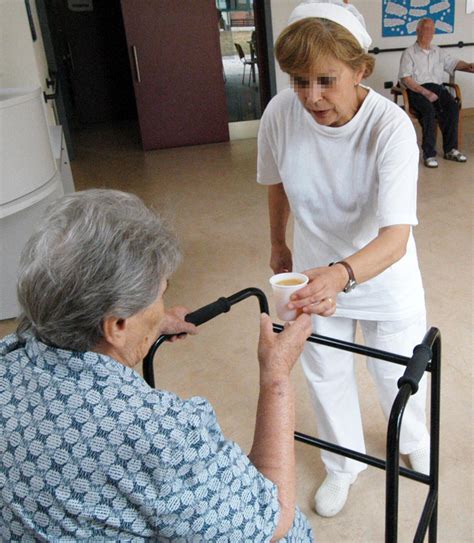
(326, 282)
(387, 248)
(279, 212)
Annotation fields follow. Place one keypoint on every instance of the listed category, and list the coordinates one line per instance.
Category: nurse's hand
(318, 297)
(281, 260)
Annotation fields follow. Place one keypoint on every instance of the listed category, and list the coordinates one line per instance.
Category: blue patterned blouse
(89, 452)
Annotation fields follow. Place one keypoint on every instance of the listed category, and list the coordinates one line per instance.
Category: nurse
(344, 161)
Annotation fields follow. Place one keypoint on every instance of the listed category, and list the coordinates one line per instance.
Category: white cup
(282, 292)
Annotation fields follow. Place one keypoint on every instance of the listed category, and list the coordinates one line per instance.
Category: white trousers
(332, 383)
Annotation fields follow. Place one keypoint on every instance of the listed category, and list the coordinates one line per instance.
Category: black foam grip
(416, 367)
(208, 312)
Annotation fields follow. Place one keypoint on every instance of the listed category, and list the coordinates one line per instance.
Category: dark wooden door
(91, 49)
(177, 71)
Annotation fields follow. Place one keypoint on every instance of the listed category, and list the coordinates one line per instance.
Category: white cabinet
(58, 144)
(29, 181)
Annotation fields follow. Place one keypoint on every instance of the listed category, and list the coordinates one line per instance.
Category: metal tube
(432, 341)
(246, 293)
(360, 457)
(426, 517)
(392, 479)
(435, 433)
(148, 373)
(377, 50)
(231, 300)
(354, 348)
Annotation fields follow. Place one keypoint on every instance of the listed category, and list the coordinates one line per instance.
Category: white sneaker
(420, 460)
(431, 162)
(331, 495)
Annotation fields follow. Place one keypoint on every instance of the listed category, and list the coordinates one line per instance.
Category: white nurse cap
(336, 11)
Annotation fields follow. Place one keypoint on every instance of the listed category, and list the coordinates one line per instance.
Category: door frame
(262, 14)
(61, 100)
(263, 25)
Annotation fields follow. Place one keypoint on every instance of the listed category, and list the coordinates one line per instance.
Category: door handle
(135, 62)
(51, 82)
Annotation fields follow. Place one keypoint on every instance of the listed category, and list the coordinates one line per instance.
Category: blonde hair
(303, 44)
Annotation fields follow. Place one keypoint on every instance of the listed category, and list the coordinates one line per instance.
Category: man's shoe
(420, 460)
(431, 162)
(455, 155)
(331, 495)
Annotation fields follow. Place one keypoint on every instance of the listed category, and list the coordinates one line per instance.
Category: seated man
(422, 67)
(88, 451)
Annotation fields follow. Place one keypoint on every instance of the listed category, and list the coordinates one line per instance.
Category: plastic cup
(284, 285)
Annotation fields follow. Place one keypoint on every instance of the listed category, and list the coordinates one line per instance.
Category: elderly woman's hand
(277, 353)
(318, 297)
(173, 323)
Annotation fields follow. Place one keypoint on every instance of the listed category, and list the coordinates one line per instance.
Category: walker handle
(208, 312)
(416, 367)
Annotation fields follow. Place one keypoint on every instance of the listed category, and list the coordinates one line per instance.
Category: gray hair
(423, 21)
(95, 254)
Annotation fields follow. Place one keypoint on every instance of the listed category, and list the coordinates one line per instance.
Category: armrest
(400, 91)
(396, 92)
(457, 91)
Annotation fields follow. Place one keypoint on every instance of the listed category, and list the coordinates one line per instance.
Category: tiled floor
(210, 195)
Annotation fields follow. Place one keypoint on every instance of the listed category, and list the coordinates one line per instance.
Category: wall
(386, 67)
(22, 60)
(18, 66)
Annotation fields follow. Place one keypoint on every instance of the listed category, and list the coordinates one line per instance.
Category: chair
(246, 62)
(253, 39)
(399, 91)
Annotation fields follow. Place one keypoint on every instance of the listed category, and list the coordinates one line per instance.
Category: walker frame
(426, 357)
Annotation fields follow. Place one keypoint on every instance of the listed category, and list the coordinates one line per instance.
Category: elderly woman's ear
(115, 330)
(115, 337)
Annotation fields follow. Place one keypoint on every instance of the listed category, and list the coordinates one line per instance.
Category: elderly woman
(344, 160)
(88, 451)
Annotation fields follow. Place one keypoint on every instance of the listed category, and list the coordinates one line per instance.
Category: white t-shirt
(343, 184)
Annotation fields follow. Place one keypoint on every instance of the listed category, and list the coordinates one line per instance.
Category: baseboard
(468, 112)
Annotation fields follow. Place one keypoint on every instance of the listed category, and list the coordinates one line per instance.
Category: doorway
(238, 42)
(91, 62)
(95, 69)
(246, 40)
